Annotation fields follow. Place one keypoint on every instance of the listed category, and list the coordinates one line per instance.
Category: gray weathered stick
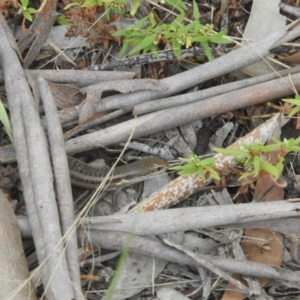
(151, 247)
(170, 118)
(63, 185)
(35, 148)
(234, 60)
(183, 219)
(187, 98)
(252, 215)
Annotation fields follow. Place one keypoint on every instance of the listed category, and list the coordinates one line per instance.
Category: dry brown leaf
(232, 293)
(256, 250)
(294, 58)
(94, 93)
(65, 95)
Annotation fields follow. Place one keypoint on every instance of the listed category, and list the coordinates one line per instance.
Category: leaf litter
(255, 244)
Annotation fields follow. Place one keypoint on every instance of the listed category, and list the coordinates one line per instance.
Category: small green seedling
(177, 4)
(146, 39)
(27, 11)
(195, 165)
(5, 120)
(176, 34)
(72, 4)
(295, 102)
(119, 5)
(62, 20)
(253, 157)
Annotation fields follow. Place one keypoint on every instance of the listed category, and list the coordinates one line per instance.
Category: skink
(88, 177)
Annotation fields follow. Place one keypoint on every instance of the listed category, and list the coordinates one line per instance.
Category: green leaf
(124, 47)
(295, 101)
(162, 27)
(89, 3)
(62, 20)
(219, 34)
(208, 161)
(200, 38)
(170, 35)
(120, 32)
(191, 167)
(172, 28)
(295, 110)
(153, 50)
(27, 15)
(152, 20)
(195, 159)
(220, 40)
(141, 22)
(107, 12)
(196, 13)
(24, 3)
(5, 120)
(256, 165)
(186, 28)
(198, 26)
(147, 41)
(188, 41)
(71, 5)
(178, 4)
(139, 35)
(201, 174)
(279, 166)
(135, 41)
(183, 159)
(248, 162)
(270, 169)
(271, 147)
(175, 168)
(207, 50)
(292, 101)
(245, 175)
(188, 169)
(31, 10)
(195, 165)
(213, 174)
(177, 48)
(177, 23)
(294, 148)
(297, 140)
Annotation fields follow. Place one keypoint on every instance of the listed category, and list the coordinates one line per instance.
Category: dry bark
(14, 274)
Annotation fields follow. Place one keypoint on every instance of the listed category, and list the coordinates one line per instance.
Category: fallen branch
(36, 174)
(252, 215)
(234, 60)
(185, 219)
(187, 98)
(63, 185)
(152, 247)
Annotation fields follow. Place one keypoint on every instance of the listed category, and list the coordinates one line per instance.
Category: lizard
(89, 177)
